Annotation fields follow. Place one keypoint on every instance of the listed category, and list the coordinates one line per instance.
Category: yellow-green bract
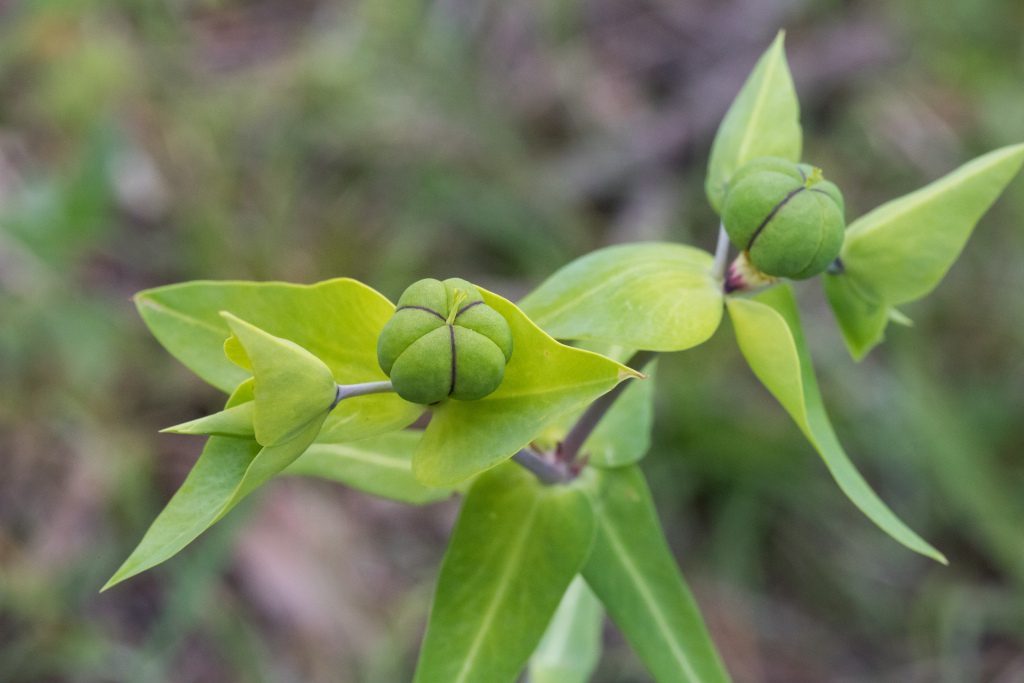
(763, 120)
(771, 339)
(900, 251)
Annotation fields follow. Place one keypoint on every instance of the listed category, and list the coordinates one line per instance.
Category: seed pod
(786, 216)
(444, 341)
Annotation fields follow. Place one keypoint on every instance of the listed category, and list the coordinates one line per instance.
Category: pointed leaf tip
(763, 120)
(770, 337)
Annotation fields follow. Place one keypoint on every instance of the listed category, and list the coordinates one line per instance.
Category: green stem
(721, 254)
(349, 390)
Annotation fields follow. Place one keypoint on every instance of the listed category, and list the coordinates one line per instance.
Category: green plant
(557, 520)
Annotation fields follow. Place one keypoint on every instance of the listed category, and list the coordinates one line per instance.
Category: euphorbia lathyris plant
(541, 436)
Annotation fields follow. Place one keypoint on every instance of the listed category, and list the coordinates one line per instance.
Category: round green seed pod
(444, 341)
(786, 216)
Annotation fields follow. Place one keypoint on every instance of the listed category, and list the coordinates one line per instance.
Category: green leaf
(763, 120)
(632, 571)
(380, 465)
(515, 550)
(236, 353)
(544, 381)
(274, 459)
(229, 469)
(770, 336)
(244, 393)
(655, 296)
(292, 387)
(571, 646)
(337, 321)
(235, 421)
(198, 503)
(901, 251)
(861, 315)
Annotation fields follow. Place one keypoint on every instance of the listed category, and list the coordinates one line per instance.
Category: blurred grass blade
(544, 381)
(379, 465)
(771, 338)
(514, 552)
(651, 295)
(632, 571)
(763, 120)
(571, 646)
(900, 251)
(970, 475)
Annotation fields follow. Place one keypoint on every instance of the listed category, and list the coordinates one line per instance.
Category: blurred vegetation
(146, 142)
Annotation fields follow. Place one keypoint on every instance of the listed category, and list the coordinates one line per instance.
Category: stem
(721, 253)
(574, 440)
(349, 390)
(548, 473)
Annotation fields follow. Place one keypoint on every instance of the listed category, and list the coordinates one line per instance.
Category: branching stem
(588, 421)
(547, 472)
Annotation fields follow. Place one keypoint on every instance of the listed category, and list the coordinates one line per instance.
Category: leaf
(771, 339)
(236, 353)
(655, 296)
(292, 387)
(763, 120)
(228, 470)
(632, 571)
(861, 315)
(198, 503)
(337, 321)
(380, 465)
(544, 381)
(244, 393)
(273, 460)
(235, 421)
(516, 547)
(571, 646)
(901, 251)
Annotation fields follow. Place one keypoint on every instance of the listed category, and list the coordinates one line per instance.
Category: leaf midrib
(648, 598)
(759, 101)
(605, 284)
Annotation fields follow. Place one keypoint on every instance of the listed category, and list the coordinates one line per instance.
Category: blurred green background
(146, 142)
